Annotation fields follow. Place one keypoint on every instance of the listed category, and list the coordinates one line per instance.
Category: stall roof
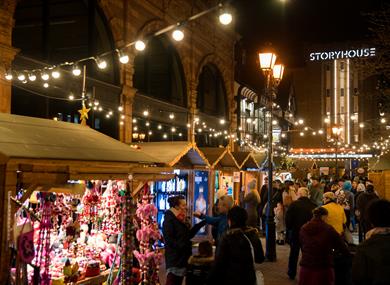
(221, 157)
(245, 160)
(381, 163)
(260, 158)
(175, 153)
(34, 138)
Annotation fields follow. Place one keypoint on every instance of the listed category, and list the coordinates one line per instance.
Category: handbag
(259, 274)
(26, 250)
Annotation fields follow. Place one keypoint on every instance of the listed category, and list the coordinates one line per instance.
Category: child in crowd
(280, 224)
(199, 265)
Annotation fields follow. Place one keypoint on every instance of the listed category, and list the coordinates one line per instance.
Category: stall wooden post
(128, 233)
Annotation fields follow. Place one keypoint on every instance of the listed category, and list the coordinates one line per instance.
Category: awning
(34, 138)
(180, 154)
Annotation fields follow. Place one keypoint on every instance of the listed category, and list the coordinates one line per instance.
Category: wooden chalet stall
(223, 166)
(192, 172)
(44, 155)
(379, 173)
(250, 170)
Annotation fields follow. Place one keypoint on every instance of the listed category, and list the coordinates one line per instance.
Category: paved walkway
(275, 273)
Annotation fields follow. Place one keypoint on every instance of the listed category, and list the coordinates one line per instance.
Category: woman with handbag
(240, 249)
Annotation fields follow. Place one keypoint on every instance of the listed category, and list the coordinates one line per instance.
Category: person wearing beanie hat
(348, 203)
(336, 216)
(251, 202)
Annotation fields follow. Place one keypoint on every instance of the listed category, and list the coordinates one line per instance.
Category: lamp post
(336, 132)
(273, 74)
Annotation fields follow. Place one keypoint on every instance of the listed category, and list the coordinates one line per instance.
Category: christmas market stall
(191, 169)
(250, 174)
(225, 171)
(379, 173)
(67, 207)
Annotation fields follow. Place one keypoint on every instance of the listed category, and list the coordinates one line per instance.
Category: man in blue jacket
(220, 222)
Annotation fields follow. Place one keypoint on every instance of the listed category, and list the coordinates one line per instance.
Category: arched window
(211, 92)
(51, 32)
(159, 73)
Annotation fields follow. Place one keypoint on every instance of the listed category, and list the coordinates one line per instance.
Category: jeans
(293, 258)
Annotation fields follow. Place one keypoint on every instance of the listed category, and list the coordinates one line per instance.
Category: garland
(148, 256)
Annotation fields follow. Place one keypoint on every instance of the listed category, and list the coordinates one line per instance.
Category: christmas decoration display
(148, 256)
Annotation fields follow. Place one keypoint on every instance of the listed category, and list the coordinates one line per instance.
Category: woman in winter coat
(318, 241)
(177, 236)
(234, 262)
(251, 202)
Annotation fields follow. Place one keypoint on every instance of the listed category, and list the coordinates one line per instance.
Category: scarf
(378, 231)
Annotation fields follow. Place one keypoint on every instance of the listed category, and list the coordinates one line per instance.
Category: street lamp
(273, 74)
(336, 133)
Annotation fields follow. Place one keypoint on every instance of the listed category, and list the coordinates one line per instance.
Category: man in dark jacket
(298, 214)
(177, 237)
(316, 191)
(362, 202)
(371, 264)
(234, 262)
(318, 242)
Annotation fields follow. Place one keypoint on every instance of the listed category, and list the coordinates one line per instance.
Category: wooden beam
(138, 188)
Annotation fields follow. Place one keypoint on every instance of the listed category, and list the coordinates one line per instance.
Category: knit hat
(252, 185)
(347, 185)
(330, 195)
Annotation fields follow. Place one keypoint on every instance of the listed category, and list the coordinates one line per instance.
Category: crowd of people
(315, 217)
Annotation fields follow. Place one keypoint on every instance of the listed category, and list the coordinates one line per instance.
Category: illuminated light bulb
(123, 117)
(383, 120)
(222, 121)
(296, 123)
(145, 113)
(45, 76)
(173, 130)
(55, 118)
(100, 109)
(171, 116)
(120, 108)
(274, 122)
(96, 103)
(240, 128)
(76, 70)
(22, 77)
(8, 76)
(165, 136)
(249, 120)
(150, 133)
(301, 134)
(32, 77)
(320, 132)
(178, 35)
(56, 74)
(71, 97)
(180, 134)
(124, 58)
(326, 120)
(147, 124)
(121, 123)
(135, 128)
(306, 128)
(283, 135)
(361, 125)
(134, 120)
(300, 121)
(46, 85)
(188, 125)
(199, 130)
(314, 133)
(107, 116)
(225, 18)
(94, 108)
(265, 136)
(140, 45)
(159, 127)
(110, 113)
(101, 63)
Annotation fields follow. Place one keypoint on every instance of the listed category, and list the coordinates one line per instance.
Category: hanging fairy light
(123, 58)
(188, 125)
(140, 45)
(150, 133)
(165, 136)
(21, 77)
(145, 113)
(46, 85)
(225, 17)
(45, 76)
(173, 129)
(222, 121)
(101, 63)
(123, 117)
(8, 76)
(120, 109)
(159, 127)
(134, 121)
(55, 74)
(178, 35)
(32, 77)
(71, 97)
(171, 116)
(76, 70)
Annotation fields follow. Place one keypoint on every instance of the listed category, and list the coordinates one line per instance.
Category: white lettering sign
(353, 53)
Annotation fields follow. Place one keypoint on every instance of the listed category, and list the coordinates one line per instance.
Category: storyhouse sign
(352, 53)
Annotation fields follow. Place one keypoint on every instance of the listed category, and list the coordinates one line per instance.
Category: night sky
(291, 25)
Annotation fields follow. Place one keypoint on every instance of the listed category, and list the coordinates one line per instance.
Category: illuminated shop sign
(331, 155)
(352, 53)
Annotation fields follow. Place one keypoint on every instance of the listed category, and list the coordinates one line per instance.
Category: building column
(7, 53)
(127, 100)
(192, 112)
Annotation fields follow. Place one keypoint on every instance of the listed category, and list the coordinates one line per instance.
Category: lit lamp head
(336, 131)
(267, 60)
(135, 136)
(278, 71)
